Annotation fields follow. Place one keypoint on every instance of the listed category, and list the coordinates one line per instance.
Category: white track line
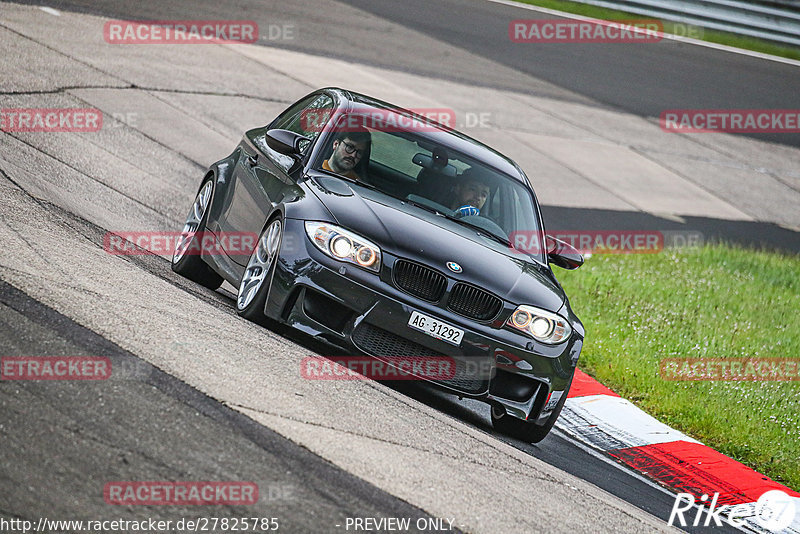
(50, 10)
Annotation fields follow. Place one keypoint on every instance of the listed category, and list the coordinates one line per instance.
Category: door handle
(252, 160)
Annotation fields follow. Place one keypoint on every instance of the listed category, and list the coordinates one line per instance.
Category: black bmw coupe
(390, 235)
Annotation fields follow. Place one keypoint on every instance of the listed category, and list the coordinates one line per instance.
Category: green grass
(713, 36)
(711, 302)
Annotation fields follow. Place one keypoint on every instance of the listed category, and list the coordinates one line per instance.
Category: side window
(396, 153)
(287, 116)
(307, 118)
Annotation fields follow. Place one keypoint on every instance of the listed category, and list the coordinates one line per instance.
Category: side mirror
(563, 254)
(285, 142)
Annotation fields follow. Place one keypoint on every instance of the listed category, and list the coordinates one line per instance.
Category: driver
(470, 193)
(350, 154)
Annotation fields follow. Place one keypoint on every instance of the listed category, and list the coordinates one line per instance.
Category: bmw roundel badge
(453, 266)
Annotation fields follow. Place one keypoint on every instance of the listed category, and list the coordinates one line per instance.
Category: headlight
(343, 245)
(541, 325)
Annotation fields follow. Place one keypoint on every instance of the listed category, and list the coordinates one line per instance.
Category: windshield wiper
(423, 206)
(501, 240)
(346, 178)
(481, 230)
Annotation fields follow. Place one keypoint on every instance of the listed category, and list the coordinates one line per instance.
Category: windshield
(410, 160)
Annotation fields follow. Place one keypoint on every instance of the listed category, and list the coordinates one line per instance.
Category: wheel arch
(221, 173)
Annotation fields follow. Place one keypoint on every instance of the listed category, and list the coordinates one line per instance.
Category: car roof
(352, 102)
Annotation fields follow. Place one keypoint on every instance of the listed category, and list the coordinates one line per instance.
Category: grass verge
(716, 301)
(712, 36)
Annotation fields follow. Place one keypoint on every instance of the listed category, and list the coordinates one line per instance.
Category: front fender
(222, 171)
(306, 205)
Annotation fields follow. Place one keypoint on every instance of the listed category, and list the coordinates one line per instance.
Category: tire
(186, 260)
(257, 277)
(524, 430)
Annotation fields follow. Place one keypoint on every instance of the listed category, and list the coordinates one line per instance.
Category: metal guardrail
(779, 24)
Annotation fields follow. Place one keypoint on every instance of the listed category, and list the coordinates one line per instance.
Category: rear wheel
(524, 430)
(186, 260)
(257, 277)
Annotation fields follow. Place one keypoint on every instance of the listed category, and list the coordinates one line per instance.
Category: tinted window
(413, 166)
(307, 117)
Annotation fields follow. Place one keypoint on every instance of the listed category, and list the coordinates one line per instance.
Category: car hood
(411, 232)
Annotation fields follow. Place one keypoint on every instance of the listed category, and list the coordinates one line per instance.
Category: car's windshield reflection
(422, 171)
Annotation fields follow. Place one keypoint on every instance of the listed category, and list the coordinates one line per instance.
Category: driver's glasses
(351, 148)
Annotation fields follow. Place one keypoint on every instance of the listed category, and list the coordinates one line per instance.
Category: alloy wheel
(193, 221)
(260, 264)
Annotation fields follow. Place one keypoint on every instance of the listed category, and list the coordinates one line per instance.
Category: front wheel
(186, 260)
(524, 430)
(257, 277)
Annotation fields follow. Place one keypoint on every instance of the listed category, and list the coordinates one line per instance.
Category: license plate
(436, 328)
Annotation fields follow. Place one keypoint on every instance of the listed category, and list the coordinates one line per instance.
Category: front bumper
(365, 312)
